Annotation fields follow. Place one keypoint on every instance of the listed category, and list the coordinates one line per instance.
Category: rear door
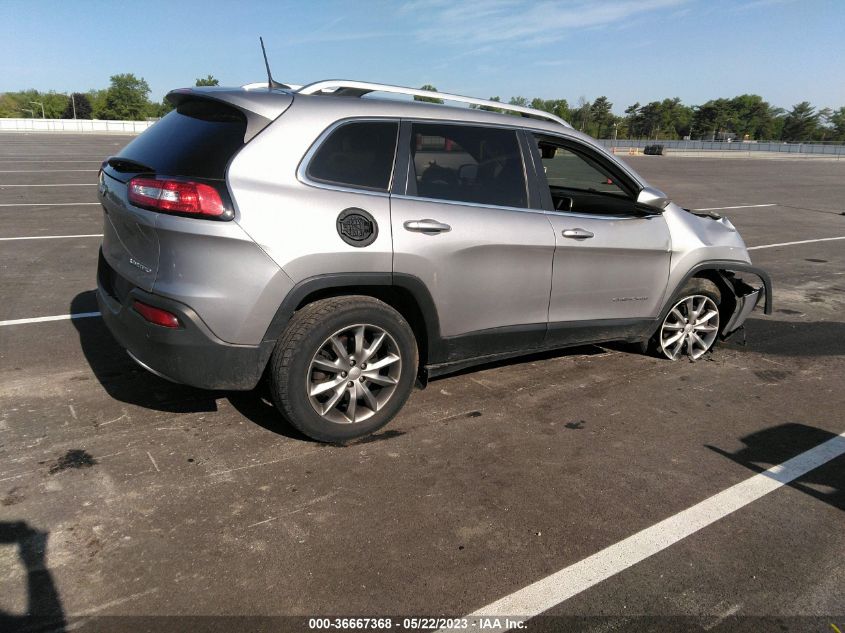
(463, 223)
(611, 261)
(196, 141)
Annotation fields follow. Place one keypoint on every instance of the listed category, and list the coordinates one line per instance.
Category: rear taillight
(176, 196)
(156, 315)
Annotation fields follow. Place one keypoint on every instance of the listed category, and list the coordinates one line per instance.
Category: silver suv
(348, 248)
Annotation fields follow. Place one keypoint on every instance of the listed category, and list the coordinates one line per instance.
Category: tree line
(745, 117)
(126, 99)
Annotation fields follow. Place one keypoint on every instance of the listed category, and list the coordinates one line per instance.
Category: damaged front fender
(746, 292)
(746, 297)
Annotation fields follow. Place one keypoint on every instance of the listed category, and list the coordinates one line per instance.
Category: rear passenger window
(467, 164)
(357, 155)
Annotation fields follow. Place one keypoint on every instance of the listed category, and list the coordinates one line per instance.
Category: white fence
(73, 125)
(781, 147)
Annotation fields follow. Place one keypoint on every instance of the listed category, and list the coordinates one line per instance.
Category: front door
(611, 262)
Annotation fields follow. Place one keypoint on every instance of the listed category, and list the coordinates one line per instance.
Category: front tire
(691, 326)
(343, 368)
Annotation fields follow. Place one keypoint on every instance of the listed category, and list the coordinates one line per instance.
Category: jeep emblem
(356, 227)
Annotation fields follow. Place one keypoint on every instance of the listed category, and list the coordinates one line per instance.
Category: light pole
(38, 103)
(73, 104)
(31, 112)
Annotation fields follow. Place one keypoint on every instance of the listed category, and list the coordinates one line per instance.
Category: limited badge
(356, 227)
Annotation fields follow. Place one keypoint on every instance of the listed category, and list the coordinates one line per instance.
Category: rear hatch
(195, 142)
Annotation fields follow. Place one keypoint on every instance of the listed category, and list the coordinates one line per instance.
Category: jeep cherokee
(348, 248)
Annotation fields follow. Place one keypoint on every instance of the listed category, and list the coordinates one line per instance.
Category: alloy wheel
(690, 327)
(353, 374)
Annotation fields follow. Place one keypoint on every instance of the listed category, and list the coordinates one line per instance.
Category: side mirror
(653, 198)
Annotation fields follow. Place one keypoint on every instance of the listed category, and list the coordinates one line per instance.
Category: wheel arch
(406, 294)
(721, 272)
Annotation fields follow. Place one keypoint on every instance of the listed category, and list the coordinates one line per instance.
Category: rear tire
(343, 368)
(691, 326)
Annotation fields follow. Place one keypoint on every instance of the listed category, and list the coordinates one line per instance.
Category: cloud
(322, 38)
(332, 31)
(761, 4)
(514, 21)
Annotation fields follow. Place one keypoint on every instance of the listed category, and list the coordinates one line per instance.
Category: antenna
(271, 83)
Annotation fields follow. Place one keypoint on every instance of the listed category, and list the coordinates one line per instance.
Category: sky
(628, 50)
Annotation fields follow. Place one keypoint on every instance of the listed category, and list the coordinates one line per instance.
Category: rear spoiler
(260, 109)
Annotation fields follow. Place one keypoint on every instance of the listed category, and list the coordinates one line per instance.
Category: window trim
(403, 190)
(302, 170)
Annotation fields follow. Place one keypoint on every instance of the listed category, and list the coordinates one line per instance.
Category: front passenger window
(578, 183)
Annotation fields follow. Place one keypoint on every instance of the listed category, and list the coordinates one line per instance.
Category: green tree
(824, 131)
(430, 88)
(517, 101)
(651, 119)
(601, 116)
(752, 116)
(81, 103)
(800, 123)
(837, 122)
(581, 115)
(633, 121)
(675, 119)
(164, 107)
(19, 104)
(558, 107)
(126, 98)
(210, 80)
(714, 119)
(489, 108)
(98, 101)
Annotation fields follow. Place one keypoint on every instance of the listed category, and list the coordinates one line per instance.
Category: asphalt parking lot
(125, 495)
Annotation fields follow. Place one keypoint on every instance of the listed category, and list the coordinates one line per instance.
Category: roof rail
(346, 88)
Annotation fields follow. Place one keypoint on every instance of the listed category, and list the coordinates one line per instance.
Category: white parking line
(742, 206)
(48, 237)
(61, 184)
(60, 317)
(42, 158)
(570, 581)
(42, 171)
(821, 239)
(47, 160)
(45, 204)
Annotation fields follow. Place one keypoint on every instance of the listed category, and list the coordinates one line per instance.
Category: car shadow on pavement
(123, 379)
(769, 447)
(792, 338)
(257, 406)
(44, 610)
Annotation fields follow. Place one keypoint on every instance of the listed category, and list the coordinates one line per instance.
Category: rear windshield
(196, 139)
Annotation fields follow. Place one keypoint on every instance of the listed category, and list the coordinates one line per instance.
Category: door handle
(426, 226)
(577, 234)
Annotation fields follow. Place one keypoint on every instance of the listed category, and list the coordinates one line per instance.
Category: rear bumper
(190, 354)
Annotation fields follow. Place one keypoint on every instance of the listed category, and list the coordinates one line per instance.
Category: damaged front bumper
(746, 295)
